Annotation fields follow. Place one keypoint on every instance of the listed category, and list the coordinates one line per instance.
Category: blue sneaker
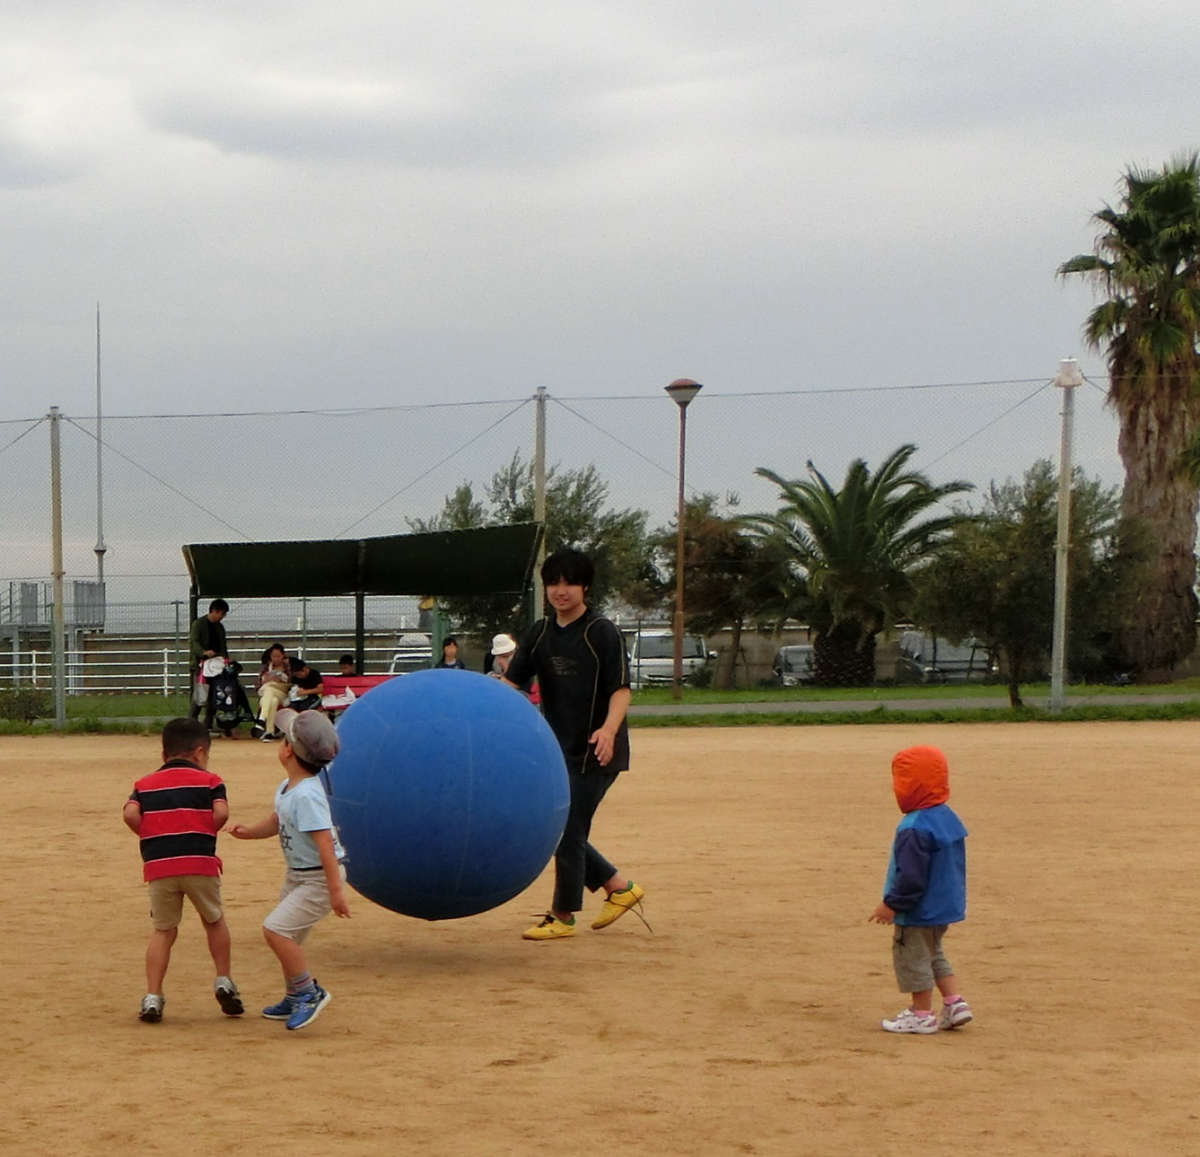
(307, 1007)
(282, 1010)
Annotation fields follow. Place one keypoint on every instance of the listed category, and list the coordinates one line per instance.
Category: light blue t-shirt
(302, 810)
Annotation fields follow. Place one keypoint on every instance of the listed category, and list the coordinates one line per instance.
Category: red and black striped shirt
(178, 833)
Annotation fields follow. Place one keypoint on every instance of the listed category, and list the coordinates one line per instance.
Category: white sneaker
(908, 1021)
(955, 1015)
(152, 1008)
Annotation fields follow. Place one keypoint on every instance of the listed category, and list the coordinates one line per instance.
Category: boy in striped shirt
(176, 812)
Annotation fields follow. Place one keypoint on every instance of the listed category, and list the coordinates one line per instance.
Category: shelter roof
(487, 560)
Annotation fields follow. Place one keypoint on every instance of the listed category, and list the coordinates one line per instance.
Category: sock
(923, 1012)
(303, 983)
(955, 999)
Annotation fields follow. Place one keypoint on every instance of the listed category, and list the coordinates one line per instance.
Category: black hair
(183, 736)
(567, 565)
(219, 605)
(448, 640)
(295, 663)
(266, 655)
(347, 658)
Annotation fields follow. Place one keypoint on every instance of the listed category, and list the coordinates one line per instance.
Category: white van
(414, 652)
(652, 658)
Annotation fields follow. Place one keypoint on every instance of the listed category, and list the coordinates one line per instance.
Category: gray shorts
(917, 956)
(303, 900)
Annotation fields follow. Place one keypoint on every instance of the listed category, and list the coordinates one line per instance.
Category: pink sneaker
(908, 1021)
(955, 1015)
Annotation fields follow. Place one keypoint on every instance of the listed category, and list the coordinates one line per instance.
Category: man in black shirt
(583, 675)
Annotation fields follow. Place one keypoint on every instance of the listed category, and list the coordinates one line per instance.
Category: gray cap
(310, 733)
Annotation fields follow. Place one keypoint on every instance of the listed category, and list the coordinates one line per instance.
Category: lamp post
(681, 391)
(1067, 380)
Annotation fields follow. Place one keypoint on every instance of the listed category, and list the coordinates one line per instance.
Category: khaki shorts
(166, 899)
(917, 956)
(303, 900)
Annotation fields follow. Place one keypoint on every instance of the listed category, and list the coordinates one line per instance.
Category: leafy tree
(1147, 265)
(732, 578)
(994, 578)
(576, 515)
(854, 552)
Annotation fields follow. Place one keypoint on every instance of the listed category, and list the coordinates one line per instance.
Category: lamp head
(682, 391)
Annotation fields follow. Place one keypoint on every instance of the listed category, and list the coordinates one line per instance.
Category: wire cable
(441, 462)
(161, 481)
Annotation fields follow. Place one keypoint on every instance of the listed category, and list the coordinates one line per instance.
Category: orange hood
(920, 778)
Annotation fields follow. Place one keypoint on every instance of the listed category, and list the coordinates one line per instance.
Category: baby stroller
(228, 699)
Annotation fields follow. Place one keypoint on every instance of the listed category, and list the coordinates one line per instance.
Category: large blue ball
(449, 793)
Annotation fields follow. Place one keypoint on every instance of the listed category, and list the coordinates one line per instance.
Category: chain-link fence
(154, 482)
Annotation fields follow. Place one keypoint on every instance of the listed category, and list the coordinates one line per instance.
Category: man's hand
(603, 740)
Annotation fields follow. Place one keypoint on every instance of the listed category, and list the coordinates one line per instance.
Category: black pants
(576, 863)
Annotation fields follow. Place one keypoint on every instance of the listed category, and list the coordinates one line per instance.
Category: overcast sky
(297, 205)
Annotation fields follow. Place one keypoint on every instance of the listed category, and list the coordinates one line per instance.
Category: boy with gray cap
(315, 880)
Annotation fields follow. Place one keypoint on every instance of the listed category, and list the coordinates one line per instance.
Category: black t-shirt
(578, 668)
(309, 682)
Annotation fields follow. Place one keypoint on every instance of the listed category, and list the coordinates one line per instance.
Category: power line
(425, 473)
(161, 481)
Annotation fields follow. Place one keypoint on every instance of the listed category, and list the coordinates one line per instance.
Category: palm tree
(1147, 264)
(856, 549)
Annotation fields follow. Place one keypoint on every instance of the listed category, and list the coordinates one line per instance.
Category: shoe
(307, 1007)
(955, 1015)
(152, 1008)
(258, 731)
(551, 928)
(908, 1021)
(617, 904)
(228, 996)
(282, 1010)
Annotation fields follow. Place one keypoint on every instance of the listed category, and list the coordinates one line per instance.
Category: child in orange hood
(925, 891)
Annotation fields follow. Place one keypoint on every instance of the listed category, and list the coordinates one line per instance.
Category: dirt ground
(747, 1023)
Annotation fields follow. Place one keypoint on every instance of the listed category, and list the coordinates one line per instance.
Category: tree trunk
(1158, 423)
(841, 659)
(727, 667)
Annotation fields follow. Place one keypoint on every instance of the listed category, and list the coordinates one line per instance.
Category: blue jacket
(927, 875)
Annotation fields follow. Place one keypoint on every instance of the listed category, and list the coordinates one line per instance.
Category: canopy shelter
(487, 560)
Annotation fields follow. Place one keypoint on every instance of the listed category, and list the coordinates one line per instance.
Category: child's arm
(911, 853)
(220, 813)
(262, 830)
(132, 815)
(333, 877)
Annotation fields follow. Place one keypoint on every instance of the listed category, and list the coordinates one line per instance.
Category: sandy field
(747, 1023)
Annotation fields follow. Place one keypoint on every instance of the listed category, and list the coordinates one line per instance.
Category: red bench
(335, 686)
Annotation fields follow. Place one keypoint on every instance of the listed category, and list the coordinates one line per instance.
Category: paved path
(856, 706)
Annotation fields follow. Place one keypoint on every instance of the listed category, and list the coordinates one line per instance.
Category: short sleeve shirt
(578, 668)
(302, 810)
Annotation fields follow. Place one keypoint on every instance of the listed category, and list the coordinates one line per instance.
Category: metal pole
(1068, 378)
(56, 570)
(100, 547)
(681, 392)
(677, 671)
(539, 495)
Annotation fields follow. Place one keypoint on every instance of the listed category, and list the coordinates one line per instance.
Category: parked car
(793, 664)
(414, 652)
(652, 658)
(925, 658)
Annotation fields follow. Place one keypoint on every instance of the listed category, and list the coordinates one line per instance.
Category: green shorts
(917, 956)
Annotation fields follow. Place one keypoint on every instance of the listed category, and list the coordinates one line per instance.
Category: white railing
(153, 669)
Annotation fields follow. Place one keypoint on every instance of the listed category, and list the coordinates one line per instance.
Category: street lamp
(681, 391)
